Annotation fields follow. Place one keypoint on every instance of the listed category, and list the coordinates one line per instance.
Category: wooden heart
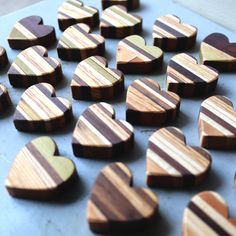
(186, 78)
(116, 206)
(40, 110)
(218, 52)
(133, 56)
(207, 214)
(5, 100)
(74, 11)
(129, 4)
(146, 104)
(30, 31)
(3, 58)
(217, 123)
(98, 135)
(171, 163)
(77, 44)
(172, 35)
(93, 80)
(37, 173)
(117, 23)
(33, 66)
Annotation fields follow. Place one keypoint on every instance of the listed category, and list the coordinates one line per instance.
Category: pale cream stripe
(157, 29)
(154, 157)
(214, 215)
(178, 75)
(24, 31)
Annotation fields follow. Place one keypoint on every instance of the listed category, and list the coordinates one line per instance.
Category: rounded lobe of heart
(207, 214)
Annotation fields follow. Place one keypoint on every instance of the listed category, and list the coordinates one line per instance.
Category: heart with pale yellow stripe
(38, 173)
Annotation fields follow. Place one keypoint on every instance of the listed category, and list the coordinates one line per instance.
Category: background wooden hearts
(93, 80)
(39, 110)
(115, 206)
(24, 72)
(98, 135)
(37, 173)
(129, 4)
(5, 100)
(30, 31)
(171, 163)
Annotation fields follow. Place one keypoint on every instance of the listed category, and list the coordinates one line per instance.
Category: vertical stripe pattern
(171, 163)
(93, 80)
(116, 206)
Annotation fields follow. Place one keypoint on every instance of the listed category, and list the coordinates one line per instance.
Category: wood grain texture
(39, 110)
(72, 12)
(172, 35)
(77, 44)
(31, 31)
(217, 123)
(188, 79)
(116, 22)
(3, 58)
(38, 172)
(98, 135)
(33, 66)
(116, 206)
(129, 4)
(93, 80)
(171, 163)
(5, 100)
(218, 52)
(146, 104)
(134, 57)
(207, 214)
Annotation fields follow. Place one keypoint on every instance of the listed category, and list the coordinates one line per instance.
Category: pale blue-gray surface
(68, 216)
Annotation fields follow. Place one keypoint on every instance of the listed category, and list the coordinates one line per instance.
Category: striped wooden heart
(171, 163)
(218, 52)
(93, 80)
(31, 31)
(74, 11)
(38, 173)
(39, 110)
(116, 206)
(146, 104)
(117, 23)
(186, 78)
(33, 66)
(77, 44)
(172, 35)
(3, 58)
(5, 100)
(98, 135)
(133, 56)
(129, 4)
(217, 123)
(207, 214)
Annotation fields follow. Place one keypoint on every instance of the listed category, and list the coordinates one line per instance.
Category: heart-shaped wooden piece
(40, 110)
(30, 31)
(3, 58)
(217, 123)
(171, 163)
(74, 11)
(33, 66)
(207, 214)
(146, 104)
(37, 173)
(77, 44)
(98, 135)
(129, 4)
(93, 80)
(116, 206)
(187, 78)
(172, 35)
(133, 56)
(218, 52)
(116, 22)
(5, 100)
